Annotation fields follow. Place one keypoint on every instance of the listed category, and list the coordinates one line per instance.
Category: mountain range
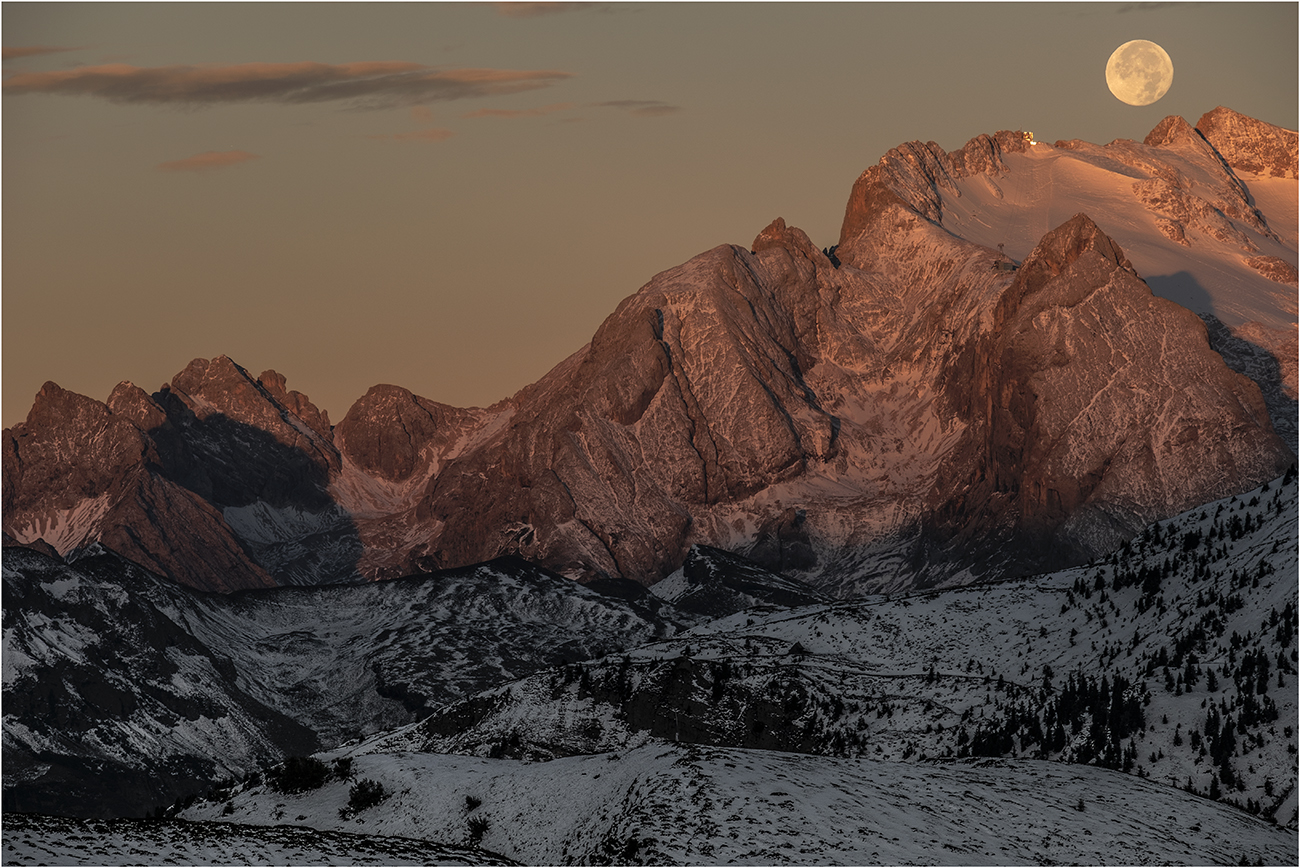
(908, 408)
(811, 554)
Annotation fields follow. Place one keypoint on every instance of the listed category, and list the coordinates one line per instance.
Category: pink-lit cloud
(532, 10)
(520, 113)
(422, 113)
(207, 161)
(429, 135)
(368, 84)
(646, 108)
(15, 52)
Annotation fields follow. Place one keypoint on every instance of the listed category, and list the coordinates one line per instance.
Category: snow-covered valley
(1140, 710)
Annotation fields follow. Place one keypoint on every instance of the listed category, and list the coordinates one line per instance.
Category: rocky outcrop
(1250, 145)
(916, 175)
(1210, 203)
(982, 155)
(1275, 269)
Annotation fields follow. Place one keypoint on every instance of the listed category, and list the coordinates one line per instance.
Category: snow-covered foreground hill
(689, 804)
(36, 840)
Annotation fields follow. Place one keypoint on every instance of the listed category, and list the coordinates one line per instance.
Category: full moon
(1139, 72)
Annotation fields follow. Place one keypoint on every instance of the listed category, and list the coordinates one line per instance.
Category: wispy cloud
(207, 161)
(520, 113)
(1144, 7)
(370, 84)
(429, 135)
(646, 108)
(19, 51)
(422, 113)
(532, 10)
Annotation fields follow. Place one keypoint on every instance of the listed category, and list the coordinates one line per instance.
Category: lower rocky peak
(390, 431)
(1061, 247)
(790, 238)
(1171, 130)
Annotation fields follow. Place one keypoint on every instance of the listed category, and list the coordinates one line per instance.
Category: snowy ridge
(1208, 273)
(105, 694)
(679, 804)
(713, 582)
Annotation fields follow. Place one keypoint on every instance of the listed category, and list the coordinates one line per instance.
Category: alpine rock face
(909, 408)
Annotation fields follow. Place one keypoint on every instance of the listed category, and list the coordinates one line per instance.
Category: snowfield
(688, 804)
(1124, 189)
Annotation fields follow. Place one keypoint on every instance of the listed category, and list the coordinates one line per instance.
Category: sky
(451, 197)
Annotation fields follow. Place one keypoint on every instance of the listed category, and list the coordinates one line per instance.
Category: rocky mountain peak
(55, 405)
(1171, 130)
(1086, 447)
(1250, 145)
(1064, 245)
(391, 432)
(129, 401)
(70, 449)
(983, 154)
(220, 387)
(216, 381)
(791, 238)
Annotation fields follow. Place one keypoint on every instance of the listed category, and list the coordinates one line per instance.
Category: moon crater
(1139, 72)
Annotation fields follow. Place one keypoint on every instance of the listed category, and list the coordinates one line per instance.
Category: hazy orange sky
(452, 197)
